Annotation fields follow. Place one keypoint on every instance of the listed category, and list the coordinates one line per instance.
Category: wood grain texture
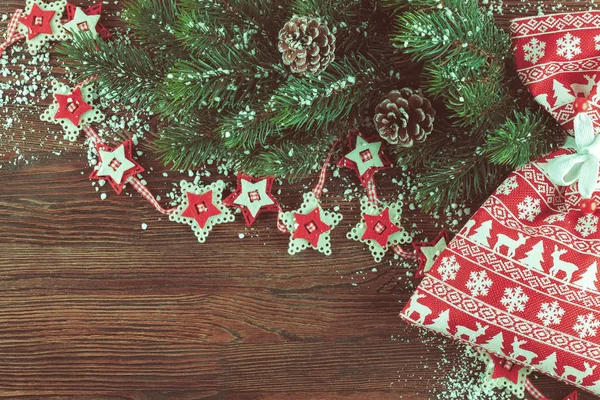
(94, 307)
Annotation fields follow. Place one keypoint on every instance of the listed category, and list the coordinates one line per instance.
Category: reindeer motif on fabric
(471, 334)
(578, 374)
(511, 244)
(560, 265)
(520, 352)
(416, 307)
(584, 89)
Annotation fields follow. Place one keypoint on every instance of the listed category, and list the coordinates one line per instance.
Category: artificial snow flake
(551, 313)
(479, 283)
(586, 325)
(448, 268)
(508, 186)
(587, 225)
(529, 208)
(514, 299)
(597, 42)
(534, 50)
(568, 46)
(555, 218)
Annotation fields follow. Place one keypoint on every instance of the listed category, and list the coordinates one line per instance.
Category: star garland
(380, 227)
(202, 208)
(365, 158)
(42, 24)
(95, 10)
(252, 196)
(310, 226)
(427, 252)
(503, 374)
(73, 109)
(116, 164)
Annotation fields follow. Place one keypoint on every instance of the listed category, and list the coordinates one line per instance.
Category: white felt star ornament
(254, 196)
(432, 252)
(82, 22)
(114, 164)
(365, 155)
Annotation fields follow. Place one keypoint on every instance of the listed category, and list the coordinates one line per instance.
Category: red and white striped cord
(12, 35)
(533, 391)
(133, 180)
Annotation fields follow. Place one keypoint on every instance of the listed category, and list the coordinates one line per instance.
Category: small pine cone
(307, 45)
(404, 117)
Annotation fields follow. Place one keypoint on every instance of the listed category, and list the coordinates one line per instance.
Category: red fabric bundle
(520, 280)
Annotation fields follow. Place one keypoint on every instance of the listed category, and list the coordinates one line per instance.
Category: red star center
(505, 369)
(71, 106)
(310, 227)
(379, 227)
(200, 208)
(37, 21)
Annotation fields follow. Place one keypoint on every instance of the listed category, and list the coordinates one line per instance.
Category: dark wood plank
(94, 307)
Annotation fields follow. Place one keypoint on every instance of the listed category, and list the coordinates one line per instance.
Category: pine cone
(307, 45)
(404, 117)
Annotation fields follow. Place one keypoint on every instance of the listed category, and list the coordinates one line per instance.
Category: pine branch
(124, 72)
(292, 158)
(249, 128)
(458, 29)
(227, 78)
(153, 21)
(450, 180)
(186, 147)
(314, 102)
(527, 136)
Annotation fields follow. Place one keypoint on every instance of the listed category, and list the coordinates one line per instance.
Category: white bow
(581, 166)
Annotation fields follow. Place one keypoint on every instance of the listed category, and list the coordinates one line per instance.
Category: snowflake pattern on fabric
(448, 268)
(479, 283)
(551, 313)
(587, 225)
(514, 299)
(508, 186)
(586, 326)
(568, 46)
(555, 218)
(597, 42)
(534, 50)
(529, 208)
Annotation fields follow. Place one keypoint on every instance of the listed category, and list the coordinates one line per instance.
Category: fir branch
(479, 104)
(124, 72)
(153, 21)
(290, 158)
(248, 129)
(186, 147)
(226, 78)
(519, 140)
(458, 29)
(315, 101)
(449, 180)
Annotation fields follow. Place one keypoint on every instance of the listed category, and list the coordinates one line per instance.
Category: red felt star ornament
(71, 106)
(116, 164)
(201, 208)
(310, 227)
(252, 196)
(37, 21)
(93, 10)
(505, 369)
(427, 252)
(379, 227)
(370, 163)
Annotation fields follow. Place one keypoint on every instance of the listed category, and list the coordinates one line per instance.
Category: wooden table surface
(92, 306)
